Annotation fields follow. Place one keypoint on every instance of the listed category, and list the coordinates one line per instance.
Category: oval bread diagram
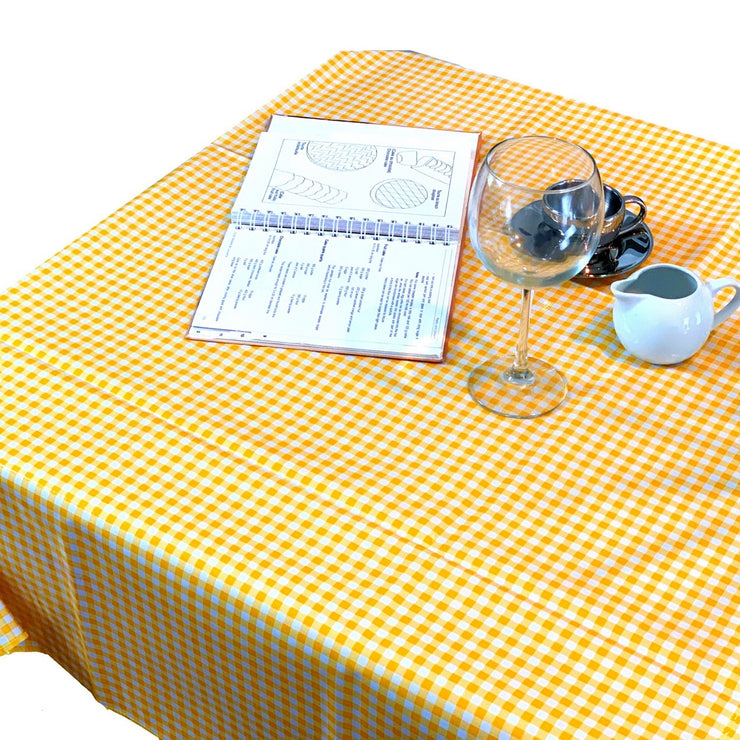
(399, 194)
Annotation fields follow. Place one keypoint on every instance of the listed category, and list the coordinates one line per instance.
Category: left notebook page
(344, 237)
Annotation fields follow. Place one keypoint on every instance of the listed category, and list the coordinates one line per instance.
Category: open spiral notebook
(344, 237)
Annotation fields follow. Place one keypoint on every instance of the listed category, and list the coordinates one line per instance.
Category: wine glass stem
(520, 372)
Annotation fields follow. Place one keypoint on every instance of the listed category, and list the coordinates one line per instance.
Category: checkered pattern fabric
(224, 541)
(11, 635)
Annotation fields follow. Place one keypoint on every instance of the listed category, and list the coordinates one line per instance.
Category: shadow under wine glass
(535, 216)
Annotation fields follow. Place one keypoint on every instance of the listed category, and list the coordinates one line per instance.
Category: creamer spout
(625, 289)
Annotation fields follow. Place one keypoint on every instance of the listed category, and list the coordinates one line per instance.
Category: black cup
(565, 198)
(569, 200)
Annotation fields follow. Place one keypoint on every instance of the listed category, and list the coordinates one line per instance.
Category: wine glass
(534, 217)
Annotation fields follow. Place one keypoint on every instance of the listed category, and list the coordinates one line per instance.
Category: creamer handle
(732, 305)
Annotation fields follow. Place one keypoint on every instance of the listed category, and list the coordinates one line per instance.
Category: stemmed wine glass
(534, 218)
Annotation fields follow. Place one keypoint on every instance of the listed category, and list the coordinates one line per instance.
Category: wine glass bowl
(534, 219)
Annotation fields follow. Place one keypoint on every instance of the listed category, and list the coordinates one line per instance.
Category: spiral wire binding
(404, 231)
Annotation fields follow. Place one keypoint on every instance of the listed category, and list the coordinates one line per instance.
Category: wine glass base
(519, 395)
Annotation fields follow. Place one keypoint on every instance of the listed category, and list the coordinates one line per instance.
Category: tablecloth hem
(12, 635)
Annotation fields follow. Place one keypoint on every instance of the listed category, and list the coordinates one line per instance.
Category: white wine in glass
(535, 215)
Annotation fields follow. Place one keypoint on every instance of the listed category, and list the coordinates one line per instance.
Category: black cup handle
(639, 217)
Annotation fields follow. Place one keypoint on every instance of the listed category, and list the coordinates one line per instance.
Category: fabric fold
(11, 633)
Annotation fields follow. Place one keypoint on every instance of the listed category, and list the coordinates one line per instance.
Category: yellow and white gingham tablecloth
(225, 541)
(11, 635)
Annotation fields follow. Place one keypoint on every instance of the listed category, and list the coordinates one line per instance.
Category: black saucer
(621, 257)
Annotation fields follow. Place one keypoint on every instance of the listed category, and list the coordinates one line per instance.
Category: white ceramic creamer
(664, 313)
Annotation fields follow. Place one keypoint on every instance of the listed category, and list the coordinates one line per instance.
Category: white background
(101, 99)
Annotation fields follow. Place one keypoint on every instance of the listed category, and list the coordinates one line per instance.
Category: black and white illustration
(306, 187)
(399, 194)
(352, 176)
(333, 155)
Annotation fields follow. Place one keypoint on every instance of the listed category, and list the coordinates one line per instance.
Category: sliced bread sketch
(290, 182)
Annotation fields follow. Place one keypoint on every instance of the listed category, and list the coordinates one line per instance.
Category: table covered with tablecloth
(226, 541)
